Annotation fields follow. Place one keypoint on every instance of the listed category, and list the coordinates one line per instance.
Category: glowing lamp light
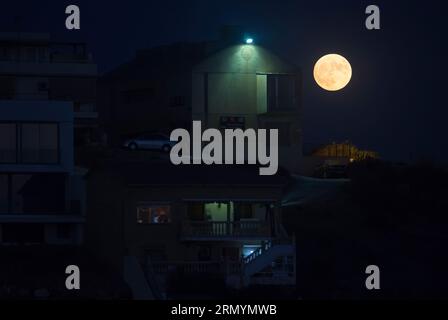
(249, 41)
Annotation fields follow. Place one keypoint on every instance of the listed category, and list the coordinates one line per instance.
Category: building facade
(247, 86)
(158, 222)
(41, 197)
(224, 86)
(47, 103)
(35, 68)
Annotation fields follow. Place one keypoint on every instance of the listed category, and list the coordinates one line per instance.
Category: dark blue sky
(395, 103)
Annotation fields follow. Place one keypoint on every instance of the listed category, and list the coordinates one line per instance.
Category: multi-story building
(35, 68)
(44, 93)
(247, 86)
(225, 85)
(156, 223)
(41, 197)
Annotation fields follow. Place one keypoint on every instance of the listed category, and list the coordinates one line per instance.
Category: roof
(194, 56)
(304, 190)
(174, 58)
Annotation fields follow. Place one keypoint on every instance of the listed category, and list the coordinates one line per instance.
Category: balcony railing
(226, 229)
(197, 267)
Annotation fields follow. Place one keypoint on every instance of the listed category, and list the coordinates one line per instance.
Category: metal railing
(195, 267)
(258, 252)
(210, 229)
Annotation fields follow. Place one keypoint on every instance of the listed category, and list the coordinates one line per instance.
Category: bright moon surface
(332, 72)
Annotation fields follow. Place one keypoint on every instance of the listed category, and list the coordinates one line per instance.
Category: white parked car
(150, 141)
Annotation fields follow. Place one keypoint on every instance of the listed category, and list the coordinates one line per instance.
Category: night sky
(394, 104)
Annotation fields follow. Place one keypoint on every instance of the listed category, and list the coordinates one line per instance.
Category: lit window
(153, 214)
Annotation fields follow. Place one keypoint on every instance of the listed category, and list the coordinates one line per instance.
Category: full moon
(332, 72)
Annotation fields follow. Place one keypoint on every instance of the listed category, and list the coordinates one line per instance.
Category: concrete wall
(236, 85)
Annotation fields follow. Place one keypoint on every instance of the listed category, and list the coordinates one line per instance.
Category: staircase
(264, 257)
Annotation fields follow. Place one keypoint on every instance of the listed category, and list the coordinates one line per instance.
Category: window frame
(153, 204)
(276, 77)
(16, 143)
(18, 149)
(10, 196)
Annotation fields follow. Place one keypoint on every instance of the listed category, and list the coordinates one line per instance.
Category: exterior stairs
(264, 257)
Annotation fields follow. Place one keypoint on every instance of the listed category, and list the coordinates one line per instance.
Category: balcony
(197, 267)
(225, 230)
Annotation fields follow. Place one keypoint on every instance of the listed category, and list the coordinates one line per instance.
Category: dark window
(42, 193)
(7, 87)
(281, 90)
(196, 211)
(243, 211)
(42, 86)
(42, 54)
(39, 143)
(4, 203)
(8, 143)
(177, 101)
(38, 193)
(30, 54)
(64, 231)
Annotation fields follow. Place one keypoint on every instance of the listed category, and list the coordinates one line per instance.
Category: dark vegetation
(38, 272)
(393, 216)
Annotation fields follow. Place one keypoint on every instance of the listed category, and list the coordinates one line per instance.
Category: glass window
(64, 231)
(153, 214)
(39, 143)
(42, 54)
(30, 143)
(29, 197)
(219, 211)
(48, 143)
(281, 92)
(30, 54)
(196, 211)
(8, 143)
(4, 194)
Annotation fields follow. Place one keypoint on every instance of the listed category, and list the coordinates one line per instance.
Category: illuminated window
(153, 214)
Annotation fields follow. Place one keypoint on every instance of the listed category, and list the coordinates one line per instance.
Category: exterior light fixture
(249, 41)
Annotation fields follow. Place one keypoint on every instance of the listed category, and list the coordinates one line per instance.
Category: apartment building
(45, 98)
(224, 85)
(155, 222)
(34, 68)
